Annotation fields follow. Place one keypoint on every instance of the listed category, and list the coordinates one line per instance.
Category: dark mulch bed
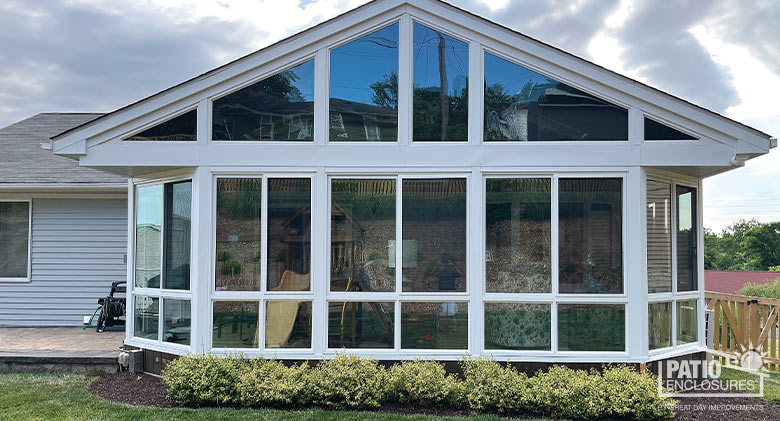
(143, 389)
(132, 389)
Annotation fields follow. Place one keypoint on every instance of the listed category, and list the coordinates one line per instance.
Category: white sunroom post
(700, 263)
(476, 261)
(130, 302)
(200, 279)
(636, 272)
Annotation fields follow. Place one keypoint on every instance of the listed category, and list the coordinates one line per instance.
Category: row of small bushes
(353, 382)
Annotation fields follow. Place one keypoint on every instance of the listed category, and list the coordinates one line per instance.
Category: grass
(66, 397)
(771, 383)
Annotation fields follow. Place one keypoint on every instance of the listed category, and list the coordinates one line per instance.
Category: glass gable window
(440, 91)
(278, 108)
(518, 239)
(659, 236)
(658, 131)
(590, 236)
(522, 105)
(687, 265)
(364, 88)
(14, 239)
(181, 128)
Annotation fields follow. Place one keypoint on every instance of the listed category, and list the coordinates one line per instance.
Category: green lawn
(65, 397)
(771, 383)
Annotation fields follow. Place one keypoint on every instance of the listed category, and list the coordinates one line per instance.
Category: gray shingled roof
(24, 161)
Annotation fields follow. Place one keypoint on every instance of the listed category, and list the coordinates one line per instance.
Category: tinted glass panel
(360, 325)
(590, 236)
(14, 239)
(434, 235)
(288, 324)
(522, 105)
(280, 107)
(362, 224)
(176, 321)
(364, 88)
(238, 234)
(235, 324)
(660, 331)
(178, 229)
(441, 70)
(657, 131)
(434, 325)
(148, 236)
(289, 234)
(147, 317)
(687, 265)
(591, 327)
(183, 127)
(659, 236)
(518, 326)
(517, 258)
(686, 322)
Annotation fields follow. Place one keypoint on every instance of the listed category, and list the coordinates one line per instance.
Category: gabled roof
(23, 161)
(726, 136)
(731, 281)
(422, 4)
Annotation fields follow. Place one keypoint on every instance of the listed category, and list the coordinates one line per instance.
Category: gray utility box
(132, 360)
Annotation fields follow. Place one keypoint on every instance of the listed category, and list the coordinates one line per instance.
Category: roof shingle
(24, 161)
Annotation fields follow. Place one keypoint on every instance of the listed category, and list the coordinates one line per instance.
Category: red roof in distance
(731, 281)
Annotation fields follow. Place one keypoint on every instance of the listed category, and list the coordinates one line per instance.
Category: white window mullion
(475, 258)
(321, 96)
(475, 90)
(320, 267)
(398, 258)
(554, 220)
(405, 80)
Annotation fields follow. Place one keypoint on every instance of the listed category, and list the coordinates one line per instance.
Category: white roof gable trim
(491, 37)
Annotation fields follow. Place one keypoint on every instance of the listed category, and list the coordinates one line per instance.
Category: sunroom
(410, 180)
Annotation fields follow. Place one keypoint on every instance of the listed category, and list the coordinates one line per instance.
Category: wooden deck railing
(743, 323)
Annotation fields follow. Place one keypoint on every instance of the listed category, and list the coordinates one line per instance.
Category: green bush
(224, 255)
(230, 267)
(204, 380)
(423, 382)
(490, 387)
(767, 290)
(270, 383)
(349, 381)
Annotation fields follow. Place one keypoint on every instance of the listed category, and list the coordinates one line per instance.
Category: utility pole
(445, 101)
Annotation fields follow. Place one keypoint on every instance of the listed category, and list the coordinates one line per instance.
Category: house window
(181, 128)
(279, 107)
(262, 288)
(523, 105)
(369, 268)
(364, 88)
(590, 236)
(14, 240)
(440, 91)
(163, 228)
(673, 289)
(658, 131)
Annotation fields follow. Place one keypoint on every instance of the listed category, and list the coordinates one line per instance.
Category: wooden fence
(743, 323)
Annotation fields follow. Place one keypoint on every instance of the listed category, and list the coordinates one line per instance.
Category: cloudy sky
(98, 55)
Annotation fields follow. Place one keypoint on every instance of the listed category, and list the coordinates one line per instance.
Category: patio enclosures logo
(705, 378)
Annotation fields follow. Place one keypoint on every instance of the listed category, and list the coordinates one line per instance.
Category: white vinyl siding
(78, 249)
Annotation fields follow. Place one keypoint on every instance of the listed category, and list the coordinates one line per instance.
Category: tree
(745, 245)
(386, 91)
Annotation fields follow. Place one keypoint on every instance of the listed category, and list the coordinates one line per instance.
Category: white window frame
(554, 298)
(262, 296)
(27, 279)
(160, 293)
(674, 296)
(398, 296)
